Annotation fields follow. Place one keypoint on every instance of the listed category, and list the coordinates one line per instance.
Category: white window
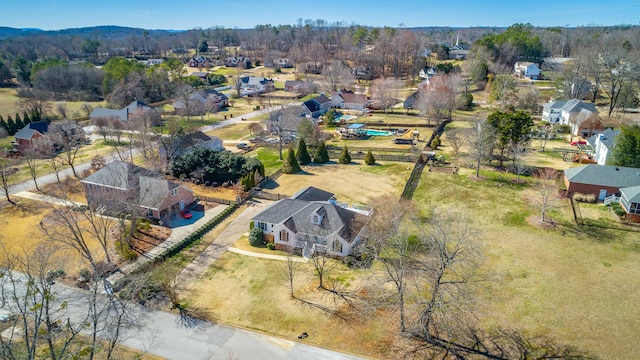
(262, 226)
(174, 192)
(284, 235)
(337, 246)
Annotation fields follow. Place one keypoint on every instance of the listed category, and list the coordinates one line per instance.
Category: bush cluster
(586, 198)
(256, 237)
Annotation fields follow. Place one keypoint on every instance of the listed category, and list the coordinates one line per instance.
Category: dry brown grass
(351, 183)
(21, 234)
(255, 296)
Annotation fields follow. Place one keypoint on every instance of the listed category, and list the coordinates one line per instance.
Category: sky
(183, 15)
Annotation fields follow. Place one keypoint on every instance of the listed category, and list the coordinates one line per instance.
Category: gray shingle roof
(296, 215)
(150, 185)
(122, 114)
(313, 194)
(604, 175)
(26, 133)
(631, 193)
(576, 105)
(280, 211)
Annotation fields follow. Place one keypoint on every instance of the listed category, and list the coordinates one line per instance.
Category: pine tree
(302, 155)
(369, 159)
(322, 155)
(345, 157)
(25, 119)
(11, 126)
(19, 123)
(35, 116)
(3, 124)
(291, 165)
(435, 143)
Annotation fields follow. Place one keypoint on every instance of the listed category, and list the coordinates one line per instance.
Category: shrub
(435, 143)
(618, 209)
(271, 246)
(124, 250)
(256, 237)
(369, 159)
(291, 165)
(586, 198)
(345, 157)
(302, 155)
(322, 155)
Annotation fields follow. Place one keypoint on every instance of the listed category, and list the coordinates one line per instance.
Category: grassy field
(343, 180)
(239, 131)
(573, 284)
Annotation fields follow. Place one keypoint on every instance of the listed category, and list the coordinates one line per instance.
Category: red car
(580, 142)
(186, 214)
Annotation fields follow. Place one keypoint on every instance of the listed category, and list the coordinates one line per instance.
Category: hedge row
(198, 234)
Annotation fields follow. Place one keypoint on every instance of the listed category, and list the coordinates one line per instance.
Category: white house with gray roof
(570, 112)
(603, 144)
(312, 220)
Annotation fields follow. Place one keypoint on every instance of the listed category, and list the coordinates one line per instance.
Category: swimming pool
(372, 132)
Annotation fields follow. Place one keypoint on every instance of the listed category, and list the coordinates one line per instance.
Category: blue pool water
(372, 132)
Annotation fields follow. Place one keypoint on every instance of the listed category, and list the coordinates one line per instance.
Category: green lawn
(269, 158)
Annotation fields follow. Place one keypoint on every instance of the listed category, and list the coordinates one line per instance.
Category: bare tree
(7, 178)
(103, 125)
(27, 290)
(618, 69)
(518, 151)
(547, 190)
(503, 91)
(63, 111)
(446, 259)
(481, 139)
(437, 100)
(337, 75)
(385, 92)
(32, 158)
(33, 101)
(281, 122)
(456, 141)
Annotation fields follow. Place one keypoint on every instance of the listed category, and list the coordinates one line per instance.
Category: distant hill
(106, 31)
(8, 32)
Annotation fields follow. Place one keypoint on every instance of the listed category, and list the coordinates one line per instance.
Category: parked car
(186, 214)
(272, 141)
(243, 146)
(578, 142)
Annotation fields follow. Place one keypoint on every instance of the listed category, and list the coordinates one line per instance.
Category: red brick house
(607, 183)
(121, 186)
(31, 136)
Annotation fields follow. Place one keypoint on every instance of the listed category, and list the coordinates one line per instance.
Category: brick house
(122, 186)
(608, 184)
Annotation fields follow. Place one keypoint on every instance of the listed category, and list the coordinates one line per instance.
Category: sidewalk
(48, 199)
(267, 256)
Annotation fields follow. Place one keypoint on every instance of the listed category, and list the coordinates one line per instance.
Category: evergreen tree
(11, 126)
(25, 119)
(291, 165)
(369, 159)
(302, 155)
(35, 116)
(626, 151)
(19, 124)
(435, 143)
(322, 155)
(3, 124)
(345, 157)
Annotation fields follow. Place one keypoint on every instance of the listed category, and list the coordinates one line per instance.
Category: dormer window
(316, 216)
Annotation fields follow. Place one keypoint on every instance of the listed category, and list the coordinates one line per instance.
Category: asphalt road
(172, 336)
